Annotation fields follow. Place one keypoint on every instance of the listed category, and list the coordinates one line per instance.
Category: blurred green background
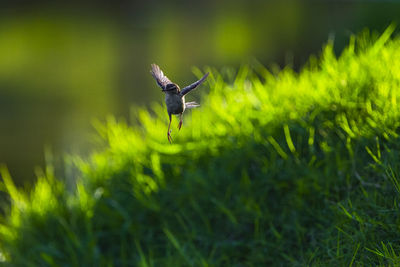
(61, 65)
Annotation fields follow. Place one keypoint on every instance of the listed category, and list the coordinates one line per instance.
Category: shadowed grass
(284, 169)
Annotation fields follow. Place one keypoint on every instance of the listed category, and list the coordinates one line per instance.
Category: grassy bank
(278, 169)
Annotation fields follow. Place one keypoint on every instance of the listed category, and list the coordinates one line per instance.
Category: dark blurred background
(61, 65)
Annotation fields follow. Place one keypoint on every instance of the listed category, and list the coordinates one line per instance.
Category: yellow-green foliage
(273, 169)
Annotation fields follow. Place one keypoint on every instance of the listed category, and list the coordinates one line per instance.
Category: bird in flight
(174, 96)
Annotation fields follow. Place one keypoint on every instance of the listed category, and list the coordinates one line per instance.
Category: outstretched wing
(189, 88)
(161, 79)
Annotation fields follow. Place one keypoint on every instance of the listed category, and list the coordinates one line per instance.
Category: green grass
(283, 168)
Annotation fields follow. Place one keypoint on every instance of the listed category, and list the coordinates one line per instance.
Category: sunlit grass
(273, 169)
